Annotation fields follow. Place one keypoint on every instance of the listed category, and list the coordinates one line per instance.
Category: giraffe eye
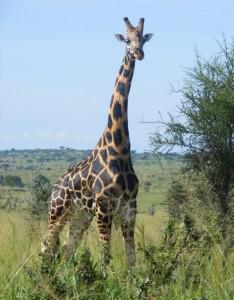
(128, 41)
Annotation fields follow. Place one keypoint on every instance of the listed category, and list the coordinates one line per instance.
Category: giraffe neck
(117, 133)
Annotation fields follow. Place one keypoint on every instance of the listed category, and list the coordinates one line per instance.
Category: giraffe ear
(120, 37)
(147, 37)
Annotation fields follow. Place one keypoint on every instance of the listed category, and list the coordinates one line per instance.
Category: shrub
(41, 191)
(13, 181)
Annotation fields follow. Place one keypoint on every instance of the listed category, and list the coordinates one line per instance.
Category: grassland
(52, 163)
(197, 276)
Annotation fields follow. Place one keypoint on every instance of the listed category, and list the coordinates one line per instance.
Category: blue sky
(59, 60)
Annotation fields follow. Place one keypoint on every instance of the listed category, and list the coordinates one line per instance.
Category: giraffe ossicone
(104, 183)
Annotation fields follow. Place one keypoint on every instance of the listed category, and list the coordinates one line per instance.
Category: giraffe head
(135, 39)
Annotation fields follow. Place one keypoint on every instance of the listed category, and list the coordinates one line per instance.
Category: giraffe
(104, 183)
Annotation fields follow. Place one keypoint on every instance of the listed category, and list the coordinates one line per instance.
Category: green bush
(40, 191)
(12, 181)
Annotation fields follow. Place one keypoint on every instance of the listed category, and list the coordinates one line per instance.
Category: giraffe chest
(122, 186)
(117, 179)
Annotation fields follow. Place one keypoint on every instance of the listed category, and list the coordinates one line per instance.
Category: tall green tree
(205, 130)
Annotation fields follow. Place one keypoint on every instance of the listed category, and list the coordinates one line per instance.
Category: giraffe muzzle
(139, 54)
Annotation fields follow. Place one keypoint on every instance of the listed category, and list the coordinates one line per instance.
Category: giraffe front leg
(128, 219)
(104, 222)
(59, 214)
(78, 224)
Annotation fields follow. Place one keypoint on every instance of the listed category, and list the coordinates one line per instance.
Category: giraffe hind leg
(128, 218)
(78, 224)
(104, 216)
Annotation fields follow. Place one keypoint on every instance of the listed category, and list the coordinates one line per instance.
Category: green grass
(20, 276)
(21, 237)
